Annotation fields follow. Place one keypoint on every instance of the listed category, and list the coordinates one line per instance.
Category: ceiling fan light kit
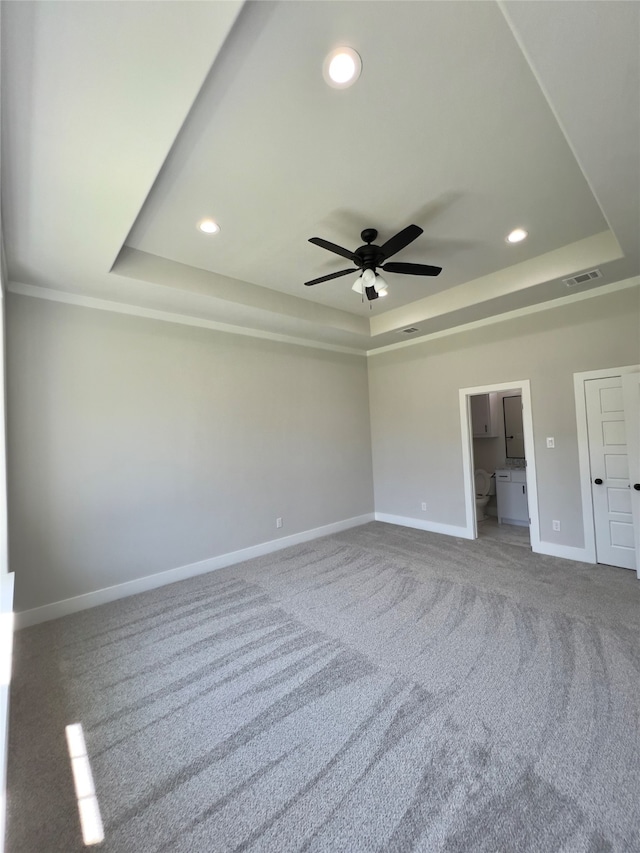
(369, 257)
(369, 279)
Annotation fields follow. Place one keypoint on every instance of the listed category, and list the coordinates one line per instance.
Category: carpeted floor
(383, 689)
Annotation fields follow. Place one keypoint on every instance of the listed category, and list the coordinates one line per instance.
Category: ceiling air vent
(410, 330)
(582, 278)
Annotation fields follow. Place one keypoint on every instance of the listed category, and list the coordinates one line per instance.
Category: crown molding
(203, 323)
(561, 301)
(82, 301)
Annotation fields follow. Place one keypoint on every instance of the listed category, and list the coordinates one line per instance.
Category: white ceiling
(125, 123)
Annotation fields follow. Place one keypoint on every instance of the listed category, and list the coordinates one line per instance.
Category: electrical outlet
(278, 522)
(424, 506)
(555, 524)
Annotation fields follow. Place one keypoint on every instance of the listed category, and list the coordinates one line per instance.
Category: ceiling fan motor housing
(369, 256)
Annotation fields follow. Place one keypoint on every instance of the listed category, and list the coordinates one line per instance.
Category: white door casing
(524, 387)
(631, 400)
(609, 468)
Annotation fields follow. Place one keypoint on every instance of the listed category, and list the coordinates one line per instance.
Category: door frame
(631, 397)
(579, 390)
(524, 386)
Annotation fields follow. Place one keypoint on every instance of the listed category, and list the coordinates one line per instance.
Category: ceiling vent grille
(410, 330)
(582, 278)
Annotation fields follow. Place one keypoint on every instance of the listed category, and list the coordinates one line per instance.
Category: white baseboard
(565, 552)
(102, 596)
(419, 524)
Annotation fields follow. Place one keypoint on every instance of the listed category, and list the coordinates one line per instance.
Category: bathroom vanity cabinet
(485, 414)
(511, 493)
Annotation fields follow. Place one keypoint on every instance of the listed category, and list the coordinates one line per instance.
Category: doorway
(525, 484)
(608, 420)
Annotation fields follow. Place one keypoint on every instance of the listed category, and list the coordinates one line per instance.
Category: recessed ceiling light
(517, 235)
(209, 226)
(342, 67)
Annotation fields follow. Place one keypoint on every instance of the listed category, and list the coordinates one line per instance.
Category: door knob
(598, 481)
(636, 486)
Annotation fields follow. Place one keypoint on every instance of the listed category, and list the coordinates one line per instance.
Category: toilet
(485, 487)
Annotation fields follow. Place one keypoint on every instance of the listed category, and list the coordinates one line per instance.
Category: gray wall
(137, 446)
(415, 419)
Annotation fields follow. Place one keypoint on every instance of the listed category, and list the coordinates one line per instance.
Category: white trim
(6, 646)
(4, 525)
(551, 549)
(185, 320)
(36, 615)
(4, 272)
(631, 397)
(560, 302)
(583, 450)
(168, 317)
(419, 524)
(584, 465)
(607, 371)
(471, 525)
(565, 552)
(524, 386)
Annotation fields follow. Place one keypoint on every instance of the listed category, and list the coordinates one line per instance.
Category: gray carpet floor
(383, 689)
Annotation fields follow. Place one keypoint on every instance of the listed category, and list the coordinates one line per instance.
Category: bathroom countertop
(513, 463)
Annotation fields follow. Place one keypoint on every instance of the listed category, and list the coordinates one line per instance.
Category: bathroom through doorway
(499, 463)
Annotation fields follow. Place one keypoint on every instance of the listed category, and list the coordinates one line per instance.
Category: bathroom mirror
(513, 432)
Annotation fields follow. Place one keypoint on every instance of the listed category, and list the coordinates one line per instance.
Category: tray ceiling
(124, 124)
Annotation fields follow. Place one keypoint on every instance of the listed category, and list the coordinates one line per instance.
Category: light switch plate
(551, 442)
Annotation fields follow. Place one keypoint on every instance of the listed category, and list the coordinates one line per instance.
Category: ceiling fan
(370, 257)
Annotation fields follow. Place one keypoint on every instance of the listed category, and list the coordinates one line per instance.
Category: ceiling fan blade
(329, 277)
(401, 239)
(412, 269)
(325, 244)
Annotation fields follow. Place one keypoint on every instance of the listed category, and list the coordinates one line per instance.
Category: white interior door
(610, 484)
(631, 399)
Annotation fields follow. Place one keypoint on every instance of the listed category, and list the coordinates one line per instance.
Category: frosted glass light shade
(381, 286)
(370, 279)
